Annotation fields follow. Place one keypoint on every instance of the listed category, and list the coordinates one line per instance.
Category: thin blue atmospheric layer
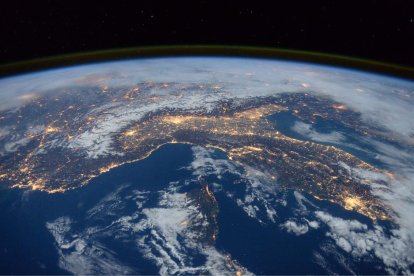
(74, 71)
(28, 247)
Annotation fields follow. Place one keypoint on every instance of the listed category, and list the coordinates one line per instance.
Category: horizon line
(78, 58)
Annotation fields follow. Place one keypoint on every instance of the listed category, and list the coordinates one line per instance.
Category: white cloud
(364, 176)
(204, 164)
(14, 141)
(14, 146)
(302, 201)
(322, 262)
(308, 131)
(395, 250)
(299, 228)
(4, 131)
(79, 255)
(399, 159)
(313, 224)
(296, 228)
(110, 202)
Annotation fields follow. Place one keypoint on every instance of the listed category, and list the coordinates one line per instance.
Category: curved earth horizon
(206, 165)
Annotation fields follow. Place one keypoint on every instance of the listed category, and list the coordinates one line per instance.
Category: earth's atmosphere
(205, 165)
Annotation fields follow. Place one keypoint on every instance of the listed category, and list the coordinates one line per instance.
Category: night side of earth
(206, 165)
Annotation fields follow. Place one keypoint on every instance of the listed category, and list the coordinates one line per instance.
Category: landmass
(48, 159)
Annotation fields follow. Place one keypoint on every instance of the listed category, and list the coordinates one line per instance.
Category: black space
(377, 30)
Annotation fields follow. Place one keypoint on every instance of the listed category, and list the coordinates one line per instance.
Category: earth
(206, 165)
